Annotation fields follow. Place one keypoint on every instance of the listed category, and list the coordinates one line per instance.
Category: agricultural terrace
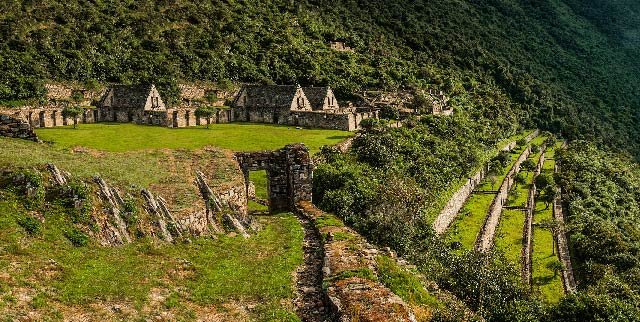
(471, 218)
(546, 277)
(509, 235)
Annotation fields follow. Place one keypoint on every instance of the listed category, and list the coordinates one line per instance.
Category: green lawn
(548, 283)
(206, 273)
(234, 136)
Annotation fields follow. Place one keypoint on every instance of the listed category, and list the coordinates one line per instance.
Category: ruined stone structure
(340, 46)
(294, 105)
(314, 107)
(348, 297)
(16, 128)
(196, 95)
(289, 173)
(129, 103)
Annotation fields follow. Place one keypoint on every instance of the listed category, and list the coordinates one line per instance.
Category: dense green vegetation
(234, 136)
(46, 267)
(563, 64)
(602, 191)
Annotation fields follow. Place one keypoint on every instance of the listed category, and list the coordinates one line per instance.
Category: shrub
(31, 225)
(77, 237)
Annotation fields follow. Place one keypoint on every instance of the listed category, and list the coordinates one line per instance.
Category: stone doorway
(288, 171)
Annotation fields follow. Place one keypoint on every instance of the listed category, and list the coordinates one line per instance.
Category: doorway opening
(258, 199)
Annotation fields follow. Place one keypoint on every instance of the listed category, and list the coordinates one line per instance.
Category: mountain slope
(567, 64)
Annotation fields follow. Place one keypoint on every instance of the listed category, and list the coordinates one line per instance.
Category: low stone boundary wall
(455, 203)
(527, 230)
(485, 239)
(349, 272)
(568, 280)
(16, 128)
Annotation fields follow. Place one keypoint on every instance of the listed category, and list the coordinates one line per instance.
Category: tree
(548, 195)
(72, 112)
(528, 165)
(544, 180)
(206, 112)
(556, 266)
(521, 178)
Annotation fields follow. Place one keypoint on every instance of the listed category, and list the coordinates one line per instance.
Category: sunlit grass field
(116, 137)
(49, 273)
(545, 280)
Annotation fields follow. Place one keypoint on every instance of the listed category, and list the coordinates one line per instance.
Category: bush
(77, 237)
(31, 225)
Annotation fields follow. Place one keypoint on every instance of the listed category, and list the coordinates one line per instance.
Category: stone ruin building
(130, 103)
(340, 46)
(438, 103)
(315, 107)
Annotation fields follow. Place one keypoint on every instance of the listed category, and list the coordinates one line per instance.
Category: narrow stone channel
(310, 302)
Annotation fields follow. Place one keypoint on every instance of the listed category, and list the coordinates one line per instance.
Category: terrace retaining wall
(527, 230)
(455, 203)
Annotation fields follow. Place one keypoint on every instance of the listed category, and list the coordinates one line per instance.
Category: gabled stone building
(321, 98)
(128, 103)
(315, 107)
(281, 97)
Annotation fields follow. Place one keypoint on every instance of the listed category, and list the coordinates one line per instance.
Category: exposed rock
(114, 201)
(58, 177)
(230, 221)
(154, 209)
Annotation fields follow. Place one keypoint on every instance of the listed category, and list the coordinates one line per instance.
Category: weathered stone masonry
(289, 173)
(16, 128)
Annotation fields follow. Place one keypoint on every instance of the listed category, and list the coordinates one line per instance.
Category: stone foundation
(16, 128)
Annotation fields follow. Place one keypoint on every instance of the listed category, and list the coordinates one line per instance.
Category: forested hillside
(565, 65)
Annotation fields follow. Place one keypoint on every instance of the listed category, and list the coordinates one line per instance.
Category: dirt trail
(310, 302)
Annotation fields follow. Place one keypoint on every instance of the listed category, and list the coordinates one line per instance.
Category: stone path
(310, 300)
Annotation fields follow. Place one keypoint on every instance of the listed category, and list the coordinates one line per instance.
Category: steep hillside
(567, 65)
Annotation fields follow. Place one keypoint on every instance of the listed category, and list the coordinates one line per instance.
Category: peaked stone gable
(144, 97)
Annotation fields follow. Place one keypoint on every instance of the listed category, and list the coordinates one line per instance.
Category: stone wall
(16, 128)
(527, 229)
(352, 296)
(345, 121)
(568, 281)
(289, 172)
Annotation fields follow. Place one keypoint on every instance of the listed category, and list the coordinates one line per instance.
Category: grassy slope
(467, 225)
(235, 136)
(206, 273)
(544, 279)
(509, 233)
